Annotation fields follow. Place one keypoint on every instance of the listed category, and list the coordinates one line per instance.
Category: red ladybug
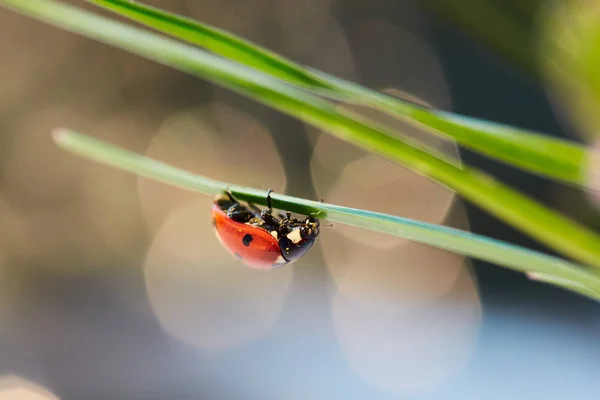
(258, 238)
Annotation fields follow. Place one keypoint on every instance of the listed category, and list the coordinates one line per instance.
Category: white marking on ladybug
(274, 234)
(294, 236)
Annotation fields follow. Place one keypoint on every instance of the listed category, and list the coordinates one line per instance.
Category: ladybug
(257, 237)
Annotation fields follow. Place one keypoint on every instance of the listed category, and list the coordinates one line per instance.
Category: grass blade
(564, 283)
(549, 227)
(553, 270)
(555, 158)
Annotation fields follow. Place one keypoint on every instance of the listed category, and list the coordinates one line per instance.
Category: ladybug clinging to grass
(257, 237)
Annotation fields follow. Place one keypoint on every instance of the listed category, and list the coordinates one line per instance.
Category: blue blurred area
(84, 343)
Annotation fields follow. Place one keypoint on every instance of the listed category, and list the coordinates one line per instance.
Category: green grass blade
(217, 41)
(522, 212)
(555, 158)
(564, 283)
(554, 270)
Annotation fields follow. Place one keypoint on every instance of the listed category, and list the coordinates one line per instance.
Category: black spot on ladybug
(247, 239)
(238, 256)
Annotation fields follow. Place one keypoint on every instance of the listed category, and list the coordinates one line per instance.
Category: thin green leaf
(569, 46)
(541, 154)
(524, 213)
(564, 283)
(568, 275)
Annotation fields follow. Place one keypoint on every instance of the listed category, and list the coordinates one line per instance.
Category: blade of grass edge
(564, 283)
(547, 226)
(556, 271)
(555, 158)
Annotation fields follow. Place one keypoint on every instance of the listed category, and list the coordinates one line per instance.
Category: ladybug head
(298, 237)
(309, 228)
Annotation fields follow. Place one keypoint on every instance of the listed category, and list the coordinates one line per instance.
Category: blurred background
(115, 287)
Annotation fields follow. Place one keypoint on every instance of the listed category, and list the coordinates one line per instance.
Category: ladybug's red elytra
(257, 237)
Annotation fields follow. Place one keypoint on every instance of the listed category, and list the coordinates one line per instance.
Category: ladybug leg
(242, 216)
(225, 200)
(255, 210)
(282, 216)
(269, 218)
(239, 213)
(269, 205)
(228, 193)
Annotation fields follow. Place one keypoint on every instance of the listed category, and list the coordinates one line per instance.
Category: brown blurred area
(113, 286)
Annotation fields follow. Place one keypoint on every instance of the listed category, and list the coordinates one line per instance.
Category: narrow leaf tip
(59, 134)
